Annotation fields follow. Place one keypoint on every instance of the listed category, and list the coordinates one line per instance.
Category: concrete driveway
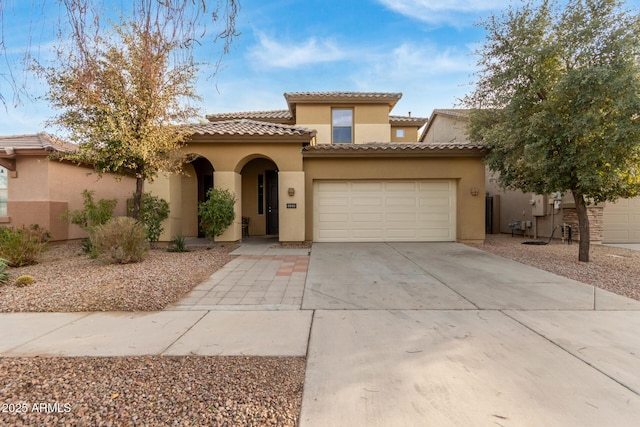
(441, 334)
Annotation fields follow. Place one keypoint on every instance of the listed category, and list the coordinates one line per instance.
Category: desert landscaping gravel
(611, 268)
(66, 280)
(151, 391)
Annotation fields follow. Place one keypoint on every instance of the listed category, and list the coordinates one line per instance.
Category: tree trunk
(583, 226)
(137, 198)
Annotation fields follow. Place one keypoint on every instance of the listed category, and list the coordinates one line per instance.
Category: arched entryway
(203, 170)
(260, 197)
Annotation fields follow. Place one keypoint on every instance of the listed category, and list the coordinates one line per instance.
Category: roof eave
(438, 152)
(250, 139)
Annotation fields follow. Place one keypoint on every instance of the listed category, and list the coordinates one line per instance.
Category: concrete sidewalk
(394, 334)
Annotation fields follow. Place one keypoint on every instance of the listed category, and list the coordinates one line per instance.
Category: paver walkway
(251, 282)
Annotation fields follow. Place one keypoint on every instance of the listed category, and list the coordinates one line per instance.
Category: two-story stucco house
(332, 167)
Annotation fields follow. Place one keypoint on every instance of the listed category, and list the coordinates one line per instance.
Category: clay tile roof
(395, 148)
(349, 95)
(246, 127)
(408, 120)
(390, 98)
(278, 115)
(32, 142)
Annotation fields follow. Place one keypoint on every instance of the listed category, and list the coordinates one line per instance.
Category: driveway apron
(443, 334)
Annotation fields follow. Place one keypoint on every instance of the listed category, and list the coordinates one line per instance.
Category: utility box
(539, 205)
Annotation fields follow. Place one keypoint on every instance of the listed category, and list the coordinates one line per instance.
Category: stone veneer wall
(595, 214)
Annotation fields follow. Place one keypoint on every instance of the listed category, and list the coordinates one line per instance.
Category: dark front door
(272, 202)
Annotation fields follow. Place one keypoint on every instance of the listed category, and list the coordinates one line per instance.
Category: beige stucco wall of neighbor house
(371, 122)
(467, 171)
(43, 189)
(445, 128)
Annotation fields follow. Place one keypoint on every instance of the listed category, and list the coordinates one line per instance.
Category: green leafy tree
(558, 100)
(217, 212)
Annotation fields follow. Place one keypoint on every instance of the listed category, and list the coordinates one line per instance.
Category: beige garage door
(621, 222)
(379, 211)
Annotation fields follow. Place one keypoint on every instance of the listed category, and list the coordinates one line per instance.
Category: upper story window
(399, 133)
(342, 125)
(4, 190)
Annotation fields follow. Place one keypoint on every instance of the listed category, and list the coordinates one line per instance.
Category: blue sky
(422, 48)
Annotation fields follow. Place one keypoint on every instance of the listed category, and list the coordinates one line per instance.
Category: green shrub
(153, 211)
(217, 213)
(24, 280)
(92, 215)
(22, 246)
(121, 240)
(4, 277)
(178, 244)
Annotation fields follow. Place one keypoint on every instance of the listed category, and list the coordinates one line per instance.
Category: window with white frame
(399, 133)
(4, 191)
(342, 125)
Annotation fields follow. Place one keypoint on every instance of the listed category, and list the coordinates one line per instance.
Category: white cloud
(429, 75)
(275, 54)
(453, 12)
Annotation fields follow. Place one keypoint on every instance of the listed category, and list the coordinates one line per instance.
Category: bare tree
(191, 22)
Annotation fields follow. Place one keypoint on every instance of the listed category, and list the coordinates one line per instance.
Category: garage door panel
(621, 221)
(401, 201)
(398, 210)
(407, 186)
(366, 186)
(366, 201)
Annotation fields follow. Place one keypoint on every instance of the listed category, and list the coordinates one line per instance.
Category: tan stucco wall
(410, 134)
(292, 219)
(468, 173)
(44, 189)
(447, 129)
(371, 122)
(233, 156)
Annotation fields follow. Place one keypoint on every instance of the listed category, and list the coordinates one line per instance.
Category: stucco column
(291, 207)
(168, 187)
(231, 181)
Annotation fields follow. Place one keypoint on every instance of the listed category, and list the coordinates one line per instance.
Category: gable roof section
(39, 144)
(33, 144)
(246, 127)
(456, 113)
(393, 149)
(407, 120)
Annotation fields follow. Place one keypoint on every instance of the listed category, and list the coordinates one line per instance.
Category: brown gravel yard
(611, 268)
(69, 281)
(151, 391)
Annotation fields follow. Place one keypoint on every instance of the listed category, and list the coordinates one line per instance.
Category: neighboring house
(617, 222)
(332, 167)
(37, 190)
